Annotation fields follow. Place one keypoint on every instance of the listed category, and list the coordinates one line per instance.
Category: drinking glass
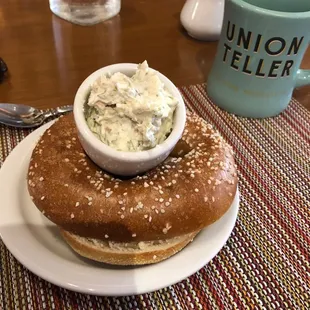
(85, 12)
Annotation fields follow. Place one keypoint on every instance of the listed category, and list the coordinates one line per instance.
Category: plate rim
(37, 270)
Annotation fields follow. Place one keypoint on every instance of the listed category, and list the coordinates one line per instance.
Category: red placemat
(265, 262)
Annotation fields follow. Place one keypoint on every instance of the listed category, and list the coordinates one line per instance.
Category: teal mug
(257, 63)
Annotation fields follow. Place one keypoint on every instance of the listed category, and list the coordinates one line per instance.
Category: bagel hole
(181, 149)
(127, 178)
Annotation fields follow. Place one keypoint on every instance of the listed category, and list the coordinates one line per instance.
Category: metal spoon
(23, 116)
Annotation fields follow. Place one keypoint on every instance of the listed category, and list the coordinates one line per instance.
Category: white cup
(119, 162)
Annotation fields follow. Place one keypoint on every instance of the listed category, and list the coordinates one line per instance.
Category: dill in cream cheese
(131, 113)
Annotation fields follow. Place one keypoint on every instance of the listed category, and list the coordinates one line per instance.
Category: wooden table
(48, 57)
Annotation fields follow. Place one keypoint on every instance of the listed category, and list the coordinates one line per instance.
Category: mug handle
(303, 78)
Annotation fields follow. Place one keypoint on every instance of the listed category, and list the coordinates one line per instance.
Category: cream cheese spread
(131, 113)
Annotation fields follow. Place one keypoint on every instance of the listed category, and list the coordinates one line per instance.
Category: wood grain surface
(48, 57)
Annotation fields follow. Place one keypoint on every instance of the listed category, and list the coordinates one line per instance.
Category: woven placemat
(264, 264)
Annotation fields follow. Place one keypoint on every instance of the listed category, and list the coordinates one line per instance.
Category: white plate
(36, 243)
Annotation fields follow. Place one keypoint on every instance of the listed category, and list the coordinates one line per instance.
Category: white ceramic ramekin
(118, 162)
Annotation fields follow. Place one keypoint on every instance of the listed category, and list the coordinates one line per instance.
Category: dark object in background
(3, 69)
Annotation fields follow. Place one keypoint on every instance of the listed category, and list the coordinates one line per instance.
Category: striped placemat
(265, 263)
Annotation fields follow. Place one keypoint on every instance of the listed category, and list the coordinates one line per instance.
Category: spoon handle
(64, 109)
(57, 111)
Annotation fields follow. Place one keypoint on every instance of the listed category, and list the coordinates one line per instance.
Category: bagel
(162, 210)
(126, 253)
